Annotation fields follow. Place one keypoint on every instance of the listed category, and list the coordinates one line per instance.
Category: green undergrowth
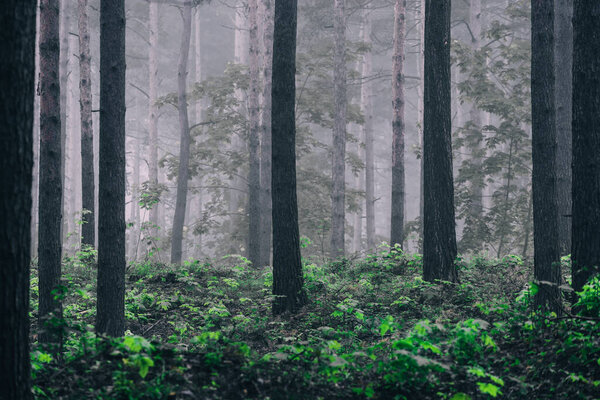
(373, 329)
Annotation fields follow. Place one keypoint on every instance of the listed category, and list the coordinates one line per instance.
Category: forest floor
(373, 329)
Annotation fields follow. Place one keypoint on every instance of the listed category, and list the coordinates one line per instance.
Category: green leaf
(489, 388)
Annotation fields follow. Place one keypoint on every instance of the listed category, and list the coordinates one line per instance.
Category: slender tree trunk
(35, 193)
(398, 183)
(545, 213)
(339, 133)
(564, 99)
(265, 130)
(110, 318)
(65, 51)
(420, 115)
(367, 106)
(50, 203)
(88, 236)
(199, 112)
(184, 141)
(254, 230)
(586, 142)
(360, 187)
(506, 207)
(17, 72)
(287, 264)
(241, 52)
(439, 235)
(134, 212)
(153, 108)
(477, 150)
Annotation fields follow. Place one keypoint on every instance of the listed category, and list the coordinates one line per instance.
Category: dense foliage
(374, 329)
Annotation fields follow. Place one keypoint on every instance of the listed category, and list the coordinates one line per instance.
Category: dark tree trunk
(65, 51)
(545, 212)
(439, 234)
(586, 142)
(564, 97)
(339, 132)
(287, 264)
(184, 141)
(397, 234)
(50, 203)
(110, 317)
(87, 133)
(17, 72)
(254, 231)
(265, 144)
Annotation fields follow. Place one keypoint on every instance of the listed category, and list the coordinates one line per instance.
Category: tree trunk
(265, 130)
(564, 100)
(360, 185)
(17, 72)
(184, 141)
(241, 52)
(398, 183)
(65, 51)
(88, 236)
(153, 108)
(110, 319)
(199, 116)
(339, 133)
(477, 150)
(545, 213)
(586, 142)
(50, 202)
(439, 235)
(420, 115)
(254, 230)
(367, 108)
(287, 264)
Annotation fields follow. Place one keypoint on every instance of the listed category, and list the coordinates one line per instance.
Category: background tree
(110, 318)
(88, 230)
(254, 214)
(439, 235)
(184, 141)
(17, 72)
(586, 142)
(153, 27)
(339, 132)
(50, 203)
(265, 131)
(366, 95)
(545, 211)
(287, 263)
(397, 234)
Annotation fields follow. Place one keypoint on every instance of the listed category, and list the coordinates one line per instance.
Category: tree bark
(65, 51)
(110, 319)
(50, 202)
(420, 115)
(564, 100)
(339, 133)
(586, 142)
(545, 212)
(265, 131)
(398, 183)
(287, 264)
(184, 141)
(478, 183)
(17, 72)
(254, 230)
(88, 236)
(199, 113)
(153, 108)
(439, 235)
(367, 107)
